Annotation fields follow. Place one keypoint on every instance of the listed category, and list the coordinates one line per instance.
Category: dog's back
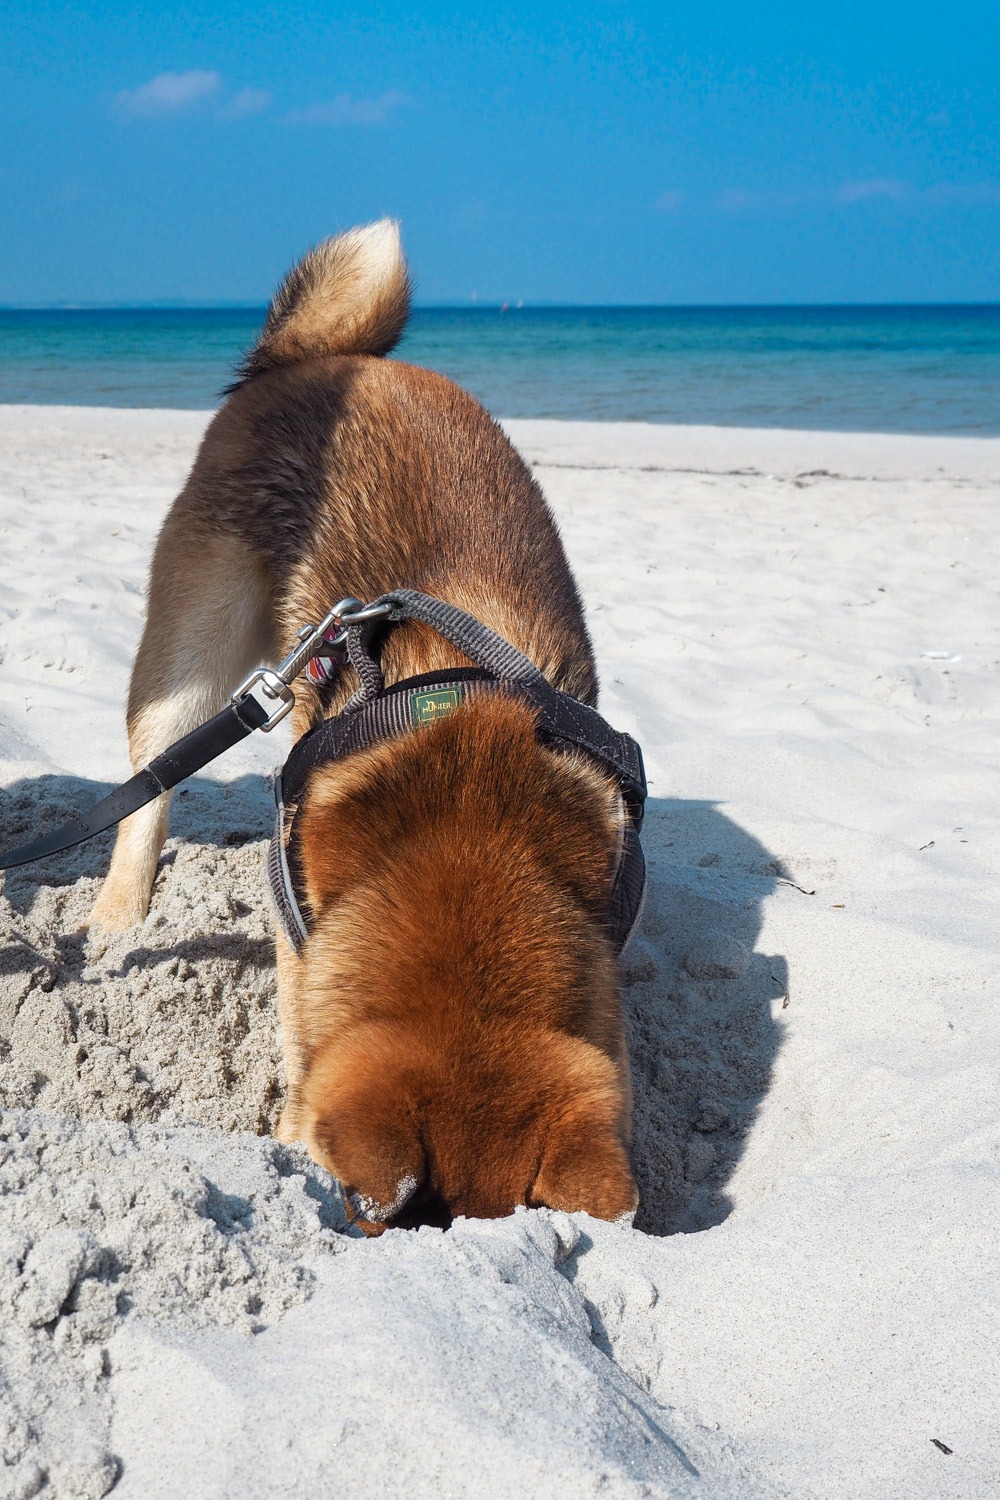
(352, 474)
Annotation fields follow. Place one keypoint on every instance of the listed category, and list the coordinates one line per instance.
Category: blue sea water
(882, 369)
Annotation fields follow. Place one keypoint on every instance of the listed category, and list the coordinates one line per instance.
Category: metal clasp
(315, 640)
(353, 612)
(267, 684)
(270, 691)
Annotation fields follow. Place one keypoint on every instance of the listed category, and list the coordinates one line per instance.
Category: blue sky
(600, 152)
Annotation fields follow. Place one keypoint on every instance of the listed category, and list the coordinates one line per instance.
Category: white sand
(802, 629)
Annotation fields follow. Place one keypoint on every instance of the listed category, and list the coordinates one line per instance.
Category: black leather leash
(261, 701)
(181, 760)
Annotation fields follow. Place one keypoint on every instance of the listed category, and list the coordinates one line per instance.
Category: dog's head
(459, 993)
(418, 1135)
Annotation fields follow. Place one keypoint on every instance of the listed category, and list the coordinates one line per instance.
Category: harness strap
(279, 878)
(561, 722)
(560, 719)
(565, 720)
(478, 642)
(177, 762)
(628, 888)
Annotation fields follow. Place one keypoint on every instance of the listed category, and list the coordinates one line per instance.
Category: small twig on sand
(782, 881)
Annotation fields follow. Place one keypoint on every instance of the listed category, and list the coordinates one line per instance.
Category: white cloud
(345, 110)
(246, 102)
(939, 194)
(168, 93)
(735, 200)
(873, 187)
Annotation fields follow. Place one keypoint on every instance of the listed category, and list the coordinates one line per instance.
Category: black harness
(561, 722)
(377, 713)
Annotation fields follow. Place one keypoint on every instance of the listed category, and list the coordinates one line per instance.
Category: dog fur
(452, 1032)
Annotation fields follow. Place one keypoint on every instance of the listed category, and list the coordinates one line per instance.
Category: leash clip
(270, 691)
(270, 687)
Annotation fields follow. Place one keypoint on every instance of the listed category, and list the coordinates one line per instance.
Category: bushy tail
(350, 295)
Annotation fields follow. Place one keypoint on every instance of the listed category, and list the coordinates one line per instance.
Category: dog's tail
(349, 295)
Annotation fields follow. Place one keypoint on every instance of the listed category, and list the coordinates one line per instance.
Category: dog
(451, 1028)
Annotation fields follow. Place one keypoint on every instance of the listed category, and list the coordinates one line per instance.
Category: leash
(260, 702)
(373, 714)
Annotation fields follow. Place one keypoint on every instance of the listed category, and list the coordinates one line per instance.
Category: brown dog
(452, 1031)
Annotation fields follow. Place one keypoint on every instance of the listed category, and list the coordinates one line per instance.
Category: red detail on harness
(322, 669)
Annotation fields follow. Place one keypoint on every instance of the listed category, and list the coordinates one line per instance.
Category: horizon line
(199, 305)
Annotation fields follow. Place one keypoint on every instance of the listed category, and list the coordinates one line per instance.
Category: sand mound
(103, 1226)
(112, 1233)
(175, 1022)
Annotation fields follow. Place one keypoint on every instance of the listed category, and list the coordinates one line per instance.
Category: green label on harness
(436, 703)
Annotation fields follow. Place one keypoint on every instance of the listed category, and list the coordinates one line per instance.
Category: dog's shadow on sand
(702, 1008)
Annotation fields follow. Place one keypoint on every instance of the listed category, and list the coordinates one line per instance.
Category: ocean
(864, 369)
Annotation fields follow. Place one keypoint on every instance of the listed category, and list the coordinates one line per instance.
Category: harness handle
(477, 641)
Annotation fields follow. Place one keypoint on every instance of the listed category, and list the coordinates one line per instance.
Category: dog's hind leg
(209, 621)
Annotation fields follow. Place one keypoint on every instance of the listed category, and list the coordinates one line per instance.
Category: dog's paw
(117, 910)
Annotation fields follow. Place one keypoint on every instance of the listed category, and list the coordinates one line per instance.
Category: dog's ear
(377, 1161)
(584, 1165)
(585, 1169)
(359, 1123)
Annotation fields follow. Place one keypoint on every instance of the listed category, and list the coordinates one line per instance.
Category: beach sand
(803, 631)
